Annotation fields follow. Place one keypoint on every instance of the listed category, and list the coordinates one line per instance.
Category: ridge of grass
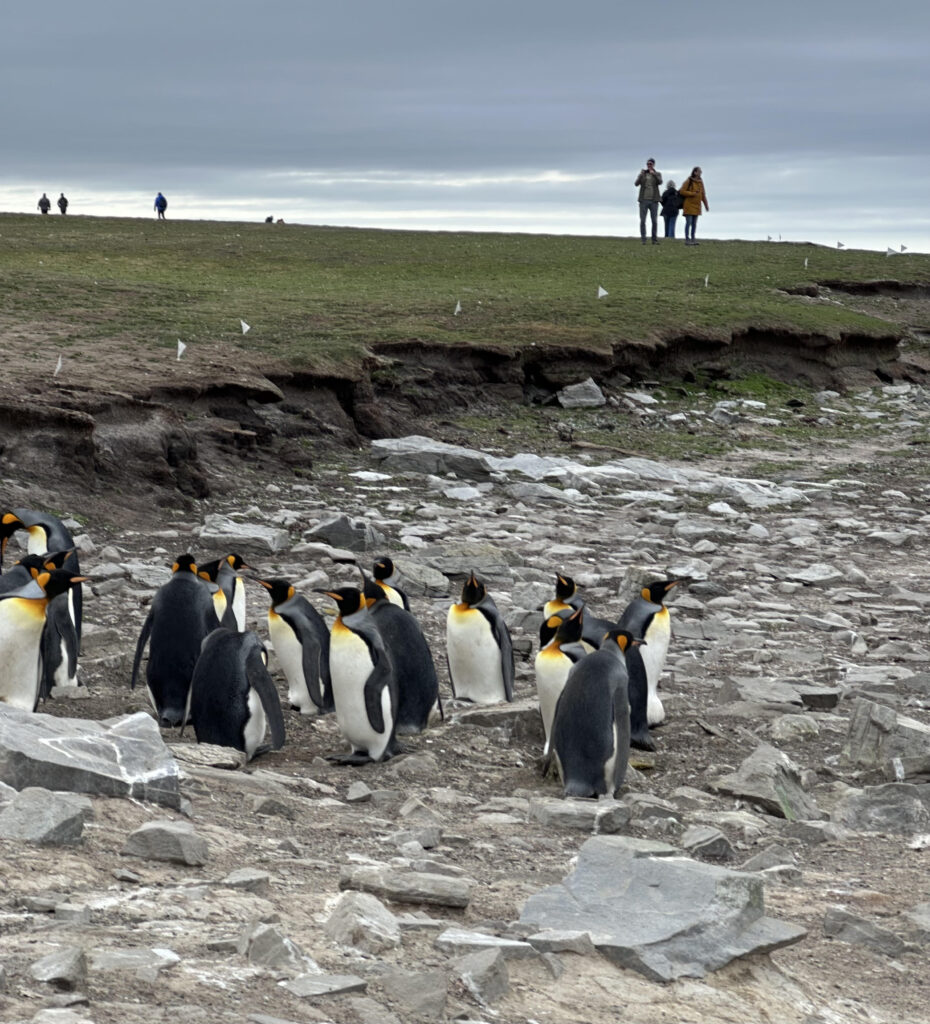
(319, 297)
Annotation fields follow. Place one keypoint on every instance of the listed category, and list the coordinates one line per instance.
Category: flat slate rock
(123, 756)
(38, 816)
(173, 841)
(311, 986)
(408, 886)
(665, 917)
(770, 779)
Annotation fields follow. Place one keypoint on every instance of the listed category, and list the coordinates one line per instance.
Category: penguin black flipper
(140, 648)
(375, 685)
(638, 691)
(311, 653)
(502, 636)
(59, 645)
(261, 683)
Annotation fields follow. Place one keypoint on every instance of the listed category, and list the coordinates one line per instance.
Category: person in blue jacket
(161, 204)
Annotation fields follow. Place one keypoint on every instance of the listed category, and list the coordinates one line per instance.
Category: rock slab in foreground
(665, 917)
(408, 886)
(37, 816)
(123, 756)
(173, 841)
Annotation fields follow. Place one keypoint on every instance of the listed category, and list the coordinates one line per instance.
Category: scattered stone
(38, 816)
(772, 780)
(145, 964)
(879, 737)
(313, 986)
(422, 993)
(123, 756)
(408, 886)
(791, 728)
(458, 941)
(208, 755)
(358, 793)
(484, 974)
(895, 807)
(847, 927)
(604, 816)
(174, 841)
(352, 534)
(552, 941)
(226, 534)
(264, 944)
(919, 918)
(65, 969)
(249, 879)
(361, 920)
(663, 917)
(586, 395)
(706, 841)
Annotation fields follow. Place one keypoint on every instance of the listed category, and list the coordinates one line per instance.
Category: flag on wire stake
(891, 252)
(706, 280)
(840, 245)
(903, 248)
(768, 238)
(245, 327)
(805, 263)
(58, 367)
(458, 308)
(601, 292)
(181, 348)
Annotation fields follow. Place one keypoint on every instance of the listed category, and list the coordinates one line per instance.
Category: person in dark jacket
(671, 204)
(648, 181)
(63, 203)
(44, 204)
(161, 204)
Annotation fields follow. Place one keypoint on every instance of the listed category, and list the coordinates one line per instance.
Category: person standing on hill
(671, 204)
(648, 181)
(161, 204)
(692, 191)
(44, 204)
(63, 204)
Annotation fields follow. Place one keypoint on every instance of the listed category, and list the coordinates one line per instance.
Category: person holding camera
(648, 181)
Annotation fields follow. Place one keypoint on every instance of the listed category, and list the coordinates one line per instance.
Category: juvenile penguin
(47, 533)
(181, 617)
(233, 700)
(301, 645)
(364, 688)
(417, 683)
(478, 647)
(224, 572)
(568, 599)
(386, 577)
(22, 623)
(555, 661)
(647, 617)
(591, 728)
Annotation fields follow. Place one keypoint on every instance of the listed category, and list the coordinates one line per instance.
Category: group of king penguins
(596, 679)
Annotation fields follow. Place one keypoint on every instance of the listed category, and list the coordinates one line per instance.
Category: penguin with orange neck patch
(555, 661)
(567, 599)
(364, 687)
(478, 647)
(386, 577)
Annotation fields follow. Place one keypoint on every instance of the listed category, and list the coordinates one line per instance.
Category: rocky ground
(803, 632)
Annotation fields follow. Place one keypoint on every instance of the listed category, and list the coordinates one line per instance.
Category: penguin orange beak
(264, 583)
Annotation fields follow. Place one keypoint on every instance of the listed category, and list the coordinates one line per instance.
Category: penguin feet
(356, 757)
(642, 741)
(547, 767)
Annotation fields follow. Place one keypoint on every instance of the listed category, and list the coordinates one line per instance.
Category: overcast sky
(810, 119)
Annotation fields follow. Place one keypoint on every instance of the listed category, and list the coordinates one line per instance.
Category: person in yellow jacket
(692, 191)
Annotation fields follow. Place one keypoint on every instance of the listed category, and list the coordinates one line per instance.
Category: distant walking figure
(44, 204)
(671, 204)
(161, 204)
(648, 181)
(692, 191)
(63, 203)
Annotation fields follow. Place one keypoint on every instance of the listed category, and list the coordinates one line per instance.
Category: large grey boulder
(772, 780)
(665, 917)
(878, 737)
(416, 454)
(173, 841)
(38, 816)
(123, 756)
(361, 920)
(895, 807)
(66, 968)
(342, 532)
(226, 534)
(584, 395)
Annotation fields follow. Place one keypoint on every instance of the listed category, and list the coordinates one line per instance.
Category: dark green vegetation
(318, 297)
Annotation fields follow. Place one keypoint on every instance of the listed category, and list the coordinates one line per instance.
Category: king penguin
(568, 599)
(417, 683)
(9, 524)
(301, 645)
(647, 617)
(22, 623)
(386, 577)
(181, 617)
(364, 687)
(233, 700)
(478, 647)
(224, 572)
(47, 533)
(555, 661)
(591, 728)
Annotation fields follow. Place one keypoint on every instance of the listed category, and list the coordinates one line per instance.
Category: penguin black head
(383, 568)
(348, 600)
(564, 587)
(185, 563)
(236, 562)
(36, 564)
(208, 570)
(372, 592)
(570, 627)
(58, 581)
(623, 639)
(473, 591)
(657, 592)
(9, 524)
(278, 590)
(55, 559)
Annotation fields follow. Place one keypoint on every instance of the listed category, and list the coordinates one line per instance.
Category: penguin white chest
(238, 604)
(552, 668)
(290, 654)
(255, 725)
(21, 624)
(654, 653)
(474, 657)
(350, 665)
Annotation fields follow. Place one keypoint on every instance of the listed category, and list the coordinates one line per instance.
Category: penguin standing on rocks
(22, 624)
(301, 645)
(233, 700)
(47, 533)
(555, 661)
(181, 617)
(647, 617)
(224, 572)
(567, 599)
(386, 577)
(478, 647)
(364, 687)
(591, 729)
(417, 683)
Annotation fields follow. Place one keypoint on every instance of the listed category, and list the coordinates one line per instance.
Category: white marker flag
(458, 308)
(891, 252)
(768, 238)
(706, 280)
(601, 292)
(181, 348)
(57, 367)
(805, 263)
(840, 245)
(903, 248)
(245, 327)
